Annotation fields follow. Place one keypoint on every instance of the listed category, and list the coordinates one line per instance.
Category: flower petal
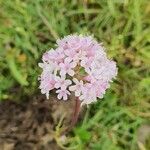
(72, 88)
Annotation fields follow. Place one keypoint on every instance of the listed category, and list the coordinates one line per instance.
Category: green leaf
(15, 71)
(83, 134)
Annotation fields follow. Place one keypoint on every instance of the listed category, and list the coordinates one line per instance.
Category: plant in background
(79, 64)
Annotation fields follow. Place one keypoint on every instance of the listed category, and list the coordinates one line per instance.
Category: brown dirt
(29, 125)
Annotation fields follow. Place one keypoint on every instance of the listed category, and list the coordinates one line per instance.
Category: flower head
(79, 64)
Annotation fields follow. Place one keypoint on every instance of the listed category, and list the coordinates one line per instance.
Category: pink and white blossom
(79, 64)
(67, 67)
(63, 94)
(88, 94)
(77, 88)
(47, 84)
(61, 82)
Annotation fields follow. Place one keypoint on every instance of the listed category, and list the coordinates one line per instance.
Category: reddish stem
(76, 112)
(75, 116)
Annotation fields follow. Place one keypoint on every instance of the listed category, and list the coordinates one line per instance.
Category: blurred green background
(30, 27)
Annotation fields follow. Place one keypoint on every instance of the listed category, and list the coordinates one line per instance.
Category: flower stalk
(76, 112)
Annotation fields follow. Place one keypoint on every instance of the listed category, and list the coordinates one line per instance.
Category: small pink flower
(55, 56)
(62, 83)
(88, 94)
(49, 68)
(50, 55)
(89, 78)
(71, 54)
(47, 84)
(74, 42)
(90, 53)
(100, 87)
(45, 57)
(77, 88)
(81, 54)
(48, 80)
(86, 63)
(63, 94)
(67, 67)
(92, 50)
(86, 42)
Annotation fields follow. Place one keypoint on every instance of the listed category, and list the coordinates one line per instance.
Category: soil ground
(29, 125)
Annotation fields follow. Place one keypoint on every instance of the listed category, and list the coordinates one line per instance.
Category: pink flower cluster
(80, 65)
